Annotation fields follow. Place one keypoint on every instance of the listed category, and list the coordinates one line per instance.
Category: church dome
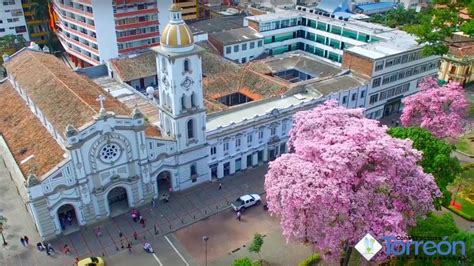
(176, 34)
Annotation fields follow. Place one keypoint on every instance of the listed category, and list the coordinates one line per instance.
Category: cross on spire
(101, 100)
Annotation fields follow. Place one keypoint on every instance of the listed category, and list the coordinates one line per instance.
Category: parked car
(246, 201)
(91, 261)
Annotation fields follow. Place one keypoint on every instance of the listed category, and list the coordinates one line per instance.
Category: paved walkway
(184, 208)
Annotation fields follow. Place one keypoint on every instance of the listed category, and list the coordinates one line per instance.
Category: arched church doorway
(164, 183)
(117, 199)
(68, 219)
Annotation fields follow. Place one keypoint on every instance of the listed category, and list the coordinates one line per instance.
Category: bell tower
(182, 112)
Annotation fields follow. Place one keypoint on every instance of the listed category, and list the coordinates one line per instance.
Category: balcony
(138, 36)
(137, 25)
(73, 21)
(76, 32)
(128, 50)
(76, 53)
(85, 2)
(136, 12)
(78, 43)
(74, 10)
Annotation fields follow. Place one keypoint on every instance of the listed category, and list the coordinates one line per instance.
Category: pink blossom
(441, 110)
(346, 177)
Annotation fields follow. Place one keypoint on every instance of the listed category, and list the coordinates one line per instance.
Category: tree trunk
(347, 255)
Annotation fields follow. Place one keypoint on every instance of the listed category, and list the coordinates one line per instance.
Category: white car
(246, 201)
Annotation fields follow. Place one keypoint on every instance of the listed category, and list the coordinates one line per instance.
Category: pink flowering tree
(346, 177)
(441, 110)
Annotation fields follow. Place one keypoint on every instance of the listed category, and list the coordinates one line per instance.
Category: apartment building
(12, 20)
(190, 8)
(94, 31)
(389, 59)
(38, 27)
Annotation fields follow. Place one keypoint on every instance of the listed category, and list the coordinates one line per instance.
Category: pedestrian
(77, 260)
(26, 240)
(40, 246)
(48, 252)
(120, 234)
(69, 218)
(98, 232)
(396, 124)
(66, 249)
(63, 223)
(129, 248)
(220, 185)
(153, 203)
(135, 235)
(49, 248)
(121, 244)
(238, 215)
(142, 221)
(22, 240)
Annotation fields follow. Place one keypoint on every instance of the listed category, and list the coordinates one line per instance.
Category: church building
(76, 152)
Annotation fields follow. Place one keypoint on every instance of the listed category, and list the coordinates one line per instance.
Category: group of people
(41, 246)
(136, 217)
(65, 219)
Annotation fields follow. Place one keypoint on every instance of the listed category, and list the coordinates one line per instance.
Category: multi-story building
(190, 8)
(12, 20)
(38, 27)
(458, 64)
(378, 53)
(94, 31)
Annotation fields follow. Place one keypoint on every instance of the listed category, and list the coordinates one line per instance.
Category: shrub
(311, 260)
(242, 262)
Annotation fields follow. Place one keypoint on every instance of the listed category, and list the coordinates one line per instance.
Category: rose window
(110, 152)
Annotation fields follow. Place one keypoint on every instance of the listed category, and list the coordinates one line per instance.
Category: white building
(87, 152)
(12, 20)
(94, 31)
(239, 45)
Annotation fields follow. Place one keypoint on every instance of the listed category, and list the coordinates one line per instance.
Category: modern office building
(94, 31)
(390, 59)
(12, 19)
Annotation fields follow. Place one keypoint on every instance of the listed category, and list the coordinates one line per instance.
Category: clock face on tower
(187, 83)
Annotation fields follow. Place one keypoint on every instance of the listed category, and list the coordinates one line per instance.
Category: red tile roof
(25, 135)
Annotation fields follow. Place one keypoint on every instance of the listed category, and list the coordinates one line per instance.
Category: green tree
(439, 23)
(242, 262)
(398, 17)
(256, 244)
(436, 159)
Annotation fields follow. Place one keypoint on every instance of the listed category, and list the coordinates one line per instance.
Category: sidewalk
(183, 209)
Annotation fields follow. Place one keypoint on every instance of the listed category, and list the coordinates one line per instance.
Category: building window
(226, 146)
(273, 131)
(236, 48)
(373, 98)
(260, 43)
(344, 99)
(187, 65)
(163, 65)
(378, 65)
(244, 60)
(213, 150)
(260, 134)
(252, 45)
(453, 70)
(183, 102)
(354, 96)
(362, 94)
(283, 126)
(249, 138)
(376, 83)
(193, 101)
(190, 129)
(237, 142)
(193, 170)
(244, 46)
(228, 50)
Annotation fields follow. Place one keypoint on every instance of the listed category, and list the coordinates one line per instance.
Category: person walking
(69, 218)
(153, 203)
(129, 247)
(66, 249)
(26, 240)
(239, 215)
(22, 240)
(142, 221)
(77, 260)
(135, 235)
(98, 232)
(120, 234)
(220, 185)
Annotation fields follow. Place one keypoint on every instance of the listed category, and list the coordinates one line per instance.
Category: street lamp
(205, 238)
(2, 221)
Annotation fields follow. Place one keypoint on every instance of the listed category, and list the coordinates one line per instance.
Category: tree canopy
(398, 17)
(441, 110)
(438, 23)
(436, 158)
(344, 178)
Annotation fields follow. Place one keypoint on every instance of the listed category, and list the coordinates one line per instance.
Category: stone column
(265, 154)
(243, 164)
(255, 159)
(220, 170)
(232, 166)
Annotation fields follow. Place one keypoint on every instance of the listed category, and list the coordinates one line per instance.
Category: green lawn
(466, 143)
(467, 208)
